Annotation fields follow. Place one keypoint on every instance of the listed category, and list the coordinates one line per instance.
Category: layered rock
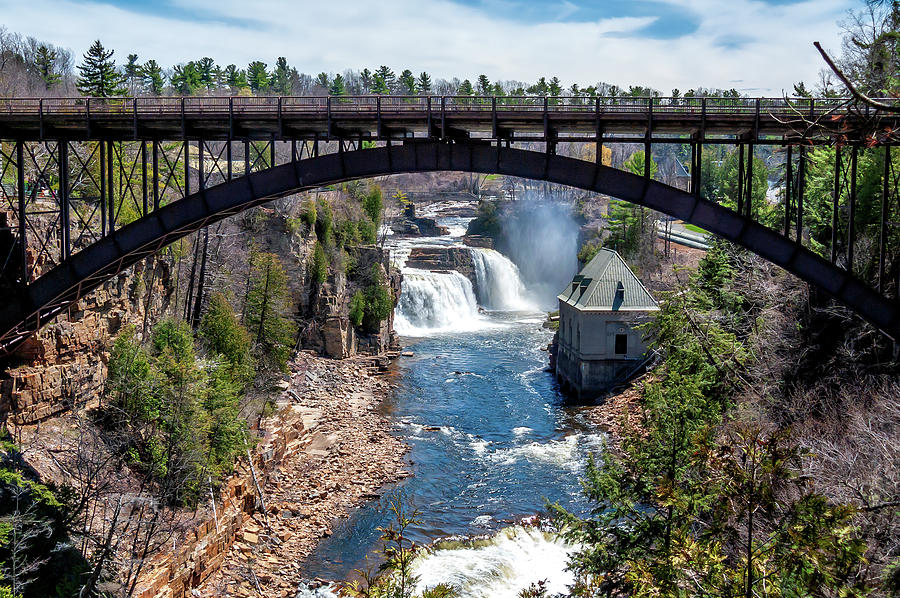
(64, 364)
(443, 259)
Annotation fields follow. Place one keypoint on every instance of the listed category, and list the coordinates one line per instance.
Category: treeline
(33, 67)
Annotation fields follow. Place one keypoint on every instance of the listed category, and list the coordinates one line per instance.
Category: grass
(695, 229)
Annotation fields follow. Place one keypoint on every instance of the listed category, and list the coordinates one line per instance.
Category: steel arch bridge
(60, 242)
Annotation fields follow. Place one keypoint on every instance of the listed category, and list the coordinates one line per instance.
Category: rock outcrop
(64, 364)
(443, 259)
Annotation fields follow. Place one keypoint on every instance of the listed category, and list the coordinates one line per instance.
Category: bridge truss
(89, 186)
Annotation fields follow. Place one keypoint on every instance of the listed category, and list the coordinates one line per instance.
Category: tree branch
(858, 95)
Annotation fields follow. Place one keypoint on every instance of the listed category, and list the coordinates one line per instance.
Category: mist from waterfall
(541, 238)
(499, 286)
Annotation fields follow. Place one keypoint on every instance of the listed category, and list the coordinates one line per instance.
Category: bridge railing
(220, 106)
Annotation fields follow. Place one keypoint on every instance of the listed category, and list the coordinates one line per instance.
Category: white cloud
(448, 39)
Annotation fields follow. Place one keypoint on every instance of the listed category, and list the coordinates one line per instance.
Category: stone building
(599, 345)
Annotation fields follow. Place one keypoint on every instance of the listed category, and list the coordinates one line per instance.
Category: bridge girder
(51, 293)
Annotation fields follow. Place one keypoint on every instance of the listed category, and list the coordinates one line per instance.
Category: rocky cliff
(442, 259)
(64, 364)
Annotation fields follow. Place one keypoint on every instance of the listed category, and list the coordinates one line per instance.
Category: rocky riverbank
(347, 456)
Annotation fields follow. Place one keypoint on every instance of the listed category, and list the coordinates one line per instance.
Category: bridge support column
(851, 215)
(801, 190)
(835, 202)
(788, 188)
(20, 191)
(65, 226)
(884, 202)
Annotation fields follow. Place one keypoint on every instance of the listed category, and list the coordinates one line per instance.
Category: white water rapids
(446, 301)
(498, 566)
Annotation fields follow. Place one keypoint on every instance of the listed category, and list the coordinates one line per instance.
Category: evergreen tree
(323, 81)
(186, 79)
(281, 77)
(153, 77)
(380, 87)
(337, 87)
(99, 77)
(540, 88)
(387, 76)
(465, 89)
(45, 63)
(424, 83)
(133, 72)
(407, 83)
(484, 85)
(268, 308)
(258, 77)
(365, 79)
(235, 78)
(206, 67)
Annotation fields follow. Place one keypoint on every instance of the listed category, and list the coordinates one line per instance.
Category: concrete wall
(587, 363)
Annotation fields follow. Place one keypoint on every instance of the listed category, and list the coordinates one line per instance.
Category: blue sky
(757, 46)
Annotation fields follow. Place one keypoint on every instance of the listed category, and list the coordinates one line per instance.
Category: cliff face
(64, 365)
(327, 328)
(442, 259)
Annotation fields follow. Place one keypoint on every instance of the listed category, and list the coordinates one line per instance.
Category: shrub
(324, 222)
(318, 268)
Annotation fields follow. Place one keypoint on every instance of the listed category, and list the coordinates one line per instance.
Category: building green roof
(606, 283)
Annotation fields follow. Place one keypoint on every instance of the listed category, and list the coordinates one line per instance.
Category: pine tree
(281, 77)
(407, 83)
(99, 77)
(387, 76)
(268, 306)
(186, 79)
(484, 85)
(424, 83)
(380, 87)
(466, 88)
(365, 78)
(337, 87)
(133, 73)
(323, 80)
(153, 77)
(235, 78)
(205, 70)
(44, 62)
(258, 77)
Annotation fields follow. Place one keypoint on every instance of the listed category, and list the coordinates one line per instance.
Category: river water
(491, 439)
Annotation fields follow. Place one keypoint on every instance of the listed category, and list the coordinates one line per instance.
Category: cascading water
(435, 301)
(497, 566)
(499, 286)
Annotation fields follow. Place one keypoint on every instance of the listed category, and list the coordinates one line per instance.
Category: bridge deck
(379, 117)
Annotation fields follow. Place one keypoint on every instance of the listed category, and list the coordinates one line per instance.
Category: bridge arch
(54, 291)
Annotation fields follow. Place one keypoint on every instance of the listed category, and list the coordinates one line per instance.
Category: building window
(621, 344)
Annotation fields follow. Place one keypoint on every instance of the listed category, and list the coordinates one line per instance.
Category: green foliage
(373, 204)
(268, 308)
(258, 76)
(394, 578)
(308, 214)
(224, 335)
(318, 268)
(487, 219)
(324, 222)
(635, 164)
(626, 225)
(367, 232)
(379, 302)
(175, 417)
(589, 249)
(692, 506)
(357, 308)
(99, 77)
(154, 80)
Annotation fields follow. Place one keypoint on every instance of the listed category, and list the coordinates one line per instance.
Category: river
(491, 438)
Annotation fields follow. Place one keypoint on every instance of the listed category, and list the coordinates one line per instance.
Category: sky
(759, 47)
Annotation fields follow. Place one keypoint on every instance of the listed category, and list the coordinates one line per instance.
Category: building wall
(586, 361)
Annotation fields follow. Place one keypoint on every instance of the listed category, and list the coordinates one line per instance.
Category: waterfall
(435, 301)
(499, 284)
(498, 566)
